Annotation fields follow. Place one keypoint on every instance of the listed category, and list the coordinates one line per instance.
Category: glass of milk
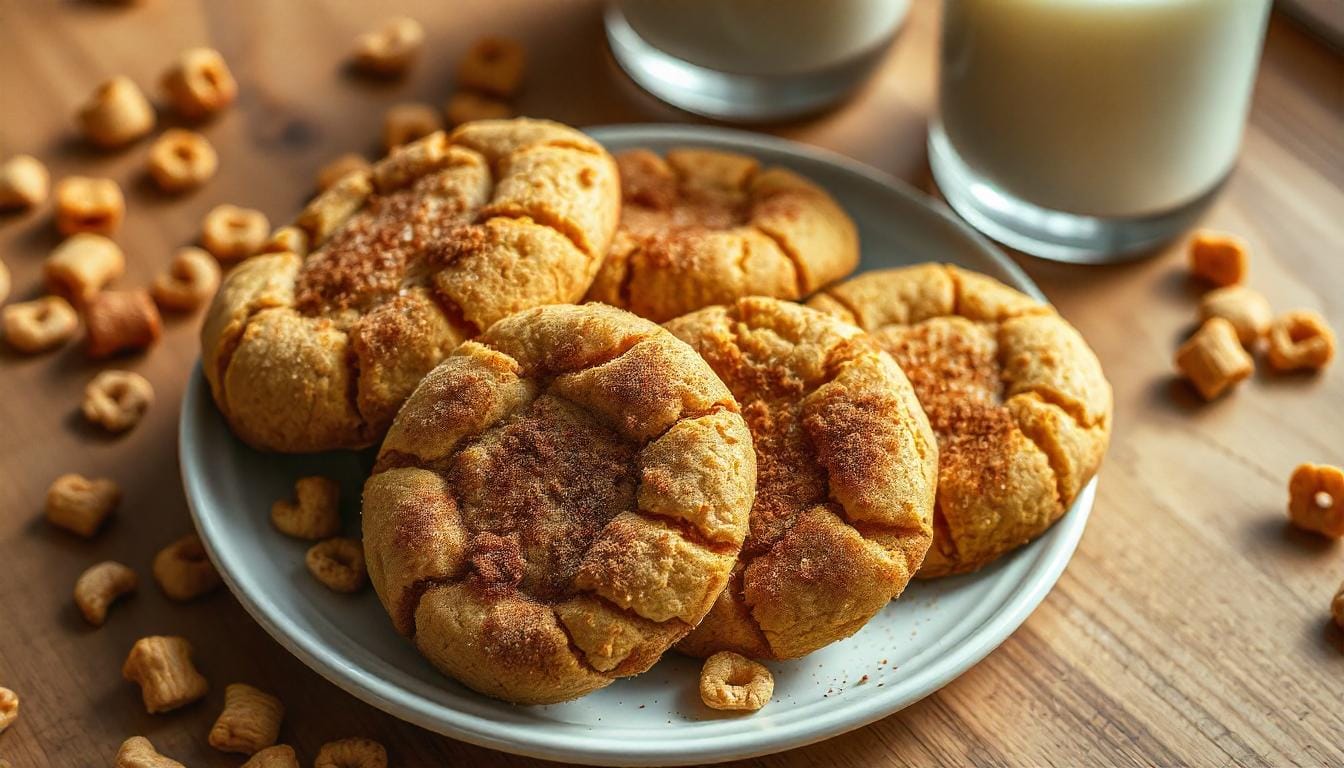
(751, 60)
(1091, 130)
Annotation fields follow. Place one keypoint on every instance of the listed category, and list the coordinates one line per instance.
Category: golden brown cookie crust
(558, 502)
(436, 242)
(846, 465)
(702, 227)
(1018, 400)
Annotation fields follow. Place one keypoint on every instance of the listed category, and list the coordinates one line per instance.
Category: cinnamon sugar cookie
(558, 502)
(846, 465)
(1017, 398)
(703, 227)
(445, 236)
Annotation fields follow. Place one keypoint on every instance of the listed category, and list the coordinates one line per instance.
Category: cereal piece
(1245, 308)
(183, 571)
(162, 667)
(493, 65)
(9, 708)
(117, 400)
(1316, 499)
(732, 681)
(279, 756)
(338, 563)
(138, 752)
(466, 106)
(180, 160)
(405, 123)
(335, 170)
(99, 586)
(4, 282)
(316, 512)
(1213, 359)
(250, 720)
(80, 505)
(200, 83)
(116, 114)
(287, 239)
(85, 204)
(119, 321)
(36, 326)
(1300, 339)
(190, 281)
(24, 182)
(390, 50)
(233, 233)
(351, 753)
(81, 265)
(1218, 258)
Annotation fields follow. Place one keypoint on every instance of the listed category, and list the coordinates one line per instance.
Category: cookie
(445, 236)
(846, 465)
(558, 502)
(703, 227)
(1016, 396)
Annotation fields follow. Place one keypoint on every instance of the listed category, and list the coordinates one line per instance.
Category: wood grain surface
(1191, 627)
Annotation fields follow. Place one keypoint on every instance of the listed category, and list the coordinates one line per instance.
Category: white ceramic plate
(918, 644)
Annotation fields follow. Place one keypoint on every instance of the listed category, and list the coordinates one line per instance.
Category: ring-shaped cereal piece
(1018, 400)
(845, 477)
(558, 502)
(703, 227)
(441, 239)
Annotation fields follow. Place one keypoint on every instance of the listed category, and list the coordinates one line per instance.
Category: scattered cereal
(162, 667)
(466, 106)
(407, 122)
(200, 83)
(1316, 499)
(731, 681)
(39, 325)
(250, 720)
(313, 514)
(85, 204)
(391, 49)
(120, 321)
(351, 753)
(79, 504)
(81, 265)
(9, 708)
(24, 182)
(338, 563)
(1300, 339)
(1245, 308)
(99, 586)
(233, 233)
(333, 172)
(279, 756)
(138, 752)
(183, 570)
(191, 279)
(493, 65)
(1214, 359)
(1219, 258)
(117, 400)
(180, 160)
(116, 114)
(1337, 607)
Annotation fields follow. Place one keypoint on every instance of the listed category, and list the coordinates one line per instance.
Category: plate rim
(1052, 554)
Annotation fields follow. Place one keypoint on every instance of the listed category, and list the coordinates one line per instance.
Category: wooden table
(1191, 627)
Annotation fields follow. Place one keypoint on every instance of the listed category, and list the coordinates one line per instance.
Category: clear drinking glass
(751, 60)
(1091, 130)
